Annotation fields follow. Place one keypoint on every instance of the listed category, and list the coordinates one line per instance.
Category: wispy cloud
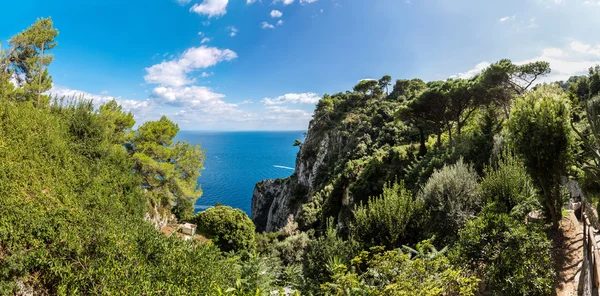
(232, 31)
(211, 8)
(285, 2)
(266, 25)
(293, 98)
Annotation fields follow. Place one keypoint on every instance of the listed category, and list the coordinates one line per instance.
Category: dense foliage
(540, 130)
(410, 167)
(387, 220)
(452, 198)
(229, 228)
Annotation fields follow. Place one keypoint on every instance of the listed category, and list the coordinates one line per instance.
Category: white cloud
(507, 18)
(284, 113)
(552, 52)
(182, 2)
(206, 74)
(250, 1)
(307, 1)
(466, 75)
(200, 33)
(585, 48)
(293, 98)
(279, 22)
(205, 40)
(211, 8)
(206, 23)
(232, 31)
(134, 106)
(266, 25)
(276, 13)
(285, 2)
(575, 59)
(174, 72)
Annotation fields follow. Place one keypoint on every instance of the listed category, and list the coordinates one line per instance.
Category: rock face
(273, 201)
(158, 219)
(271, 204)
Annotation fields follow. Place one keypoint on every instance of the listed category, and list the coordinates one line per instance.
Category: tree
(463, 101)
(540, 132)
(297, 143)
(502, 81)
(27, 59)
(429, 110)
(169, 171)
(407, 90)
(385, 219)
(385, 82)
(119, 122)
(229, 228)
(366, 86)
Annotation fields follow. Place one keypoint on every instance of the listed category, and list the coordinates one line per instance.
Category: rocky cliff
(351, 149)
(273, 201)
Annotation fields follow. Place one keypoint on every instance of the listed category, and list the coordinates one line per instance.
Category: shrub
(395, 273)
(292, 249)
(511, 258)
(509, 187)
(321, 251)
(540, 132)
(229, 228)
(452, 198)
(385, 219)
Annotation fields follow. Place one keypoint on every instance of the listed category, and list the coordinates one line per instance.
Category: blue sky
(262, 65)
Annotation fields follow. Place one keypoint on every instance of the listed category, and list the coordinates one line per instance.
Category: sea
(236, 161)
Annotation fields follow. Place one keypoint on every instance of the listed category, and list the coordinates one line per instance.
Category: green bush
(396, 273)
(292, 249)
(510, 257)
(509, 187)
(321, 250)
(452, 198)
(387, 220)
(540, 132)
(230, 229)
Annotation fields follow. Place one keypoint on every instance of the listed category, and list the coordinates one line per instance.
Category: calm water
(236, 161)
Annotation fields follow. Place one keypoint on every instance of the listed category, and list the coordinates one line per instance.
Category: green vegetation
(540, 131)
(421, 190)
(388, 219)
(452, 198)
(230, 229)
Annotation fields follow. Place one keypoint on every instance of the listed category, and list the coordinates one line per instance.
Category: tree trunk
(450, 135)
(39, 103)
(422, 147)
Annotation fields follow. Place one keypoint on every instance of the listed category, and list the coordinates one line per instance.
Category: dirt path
(568, 245)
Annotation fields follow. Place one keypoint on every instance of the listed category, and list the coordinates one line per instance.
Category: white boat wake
(283, 167)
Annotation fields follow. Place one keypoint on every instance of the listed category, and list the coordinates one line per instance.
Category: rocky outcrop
(158, 218)
(273, 201)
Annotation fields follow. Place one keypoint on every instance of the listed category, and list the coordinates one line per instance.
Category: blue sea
(236, 161)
